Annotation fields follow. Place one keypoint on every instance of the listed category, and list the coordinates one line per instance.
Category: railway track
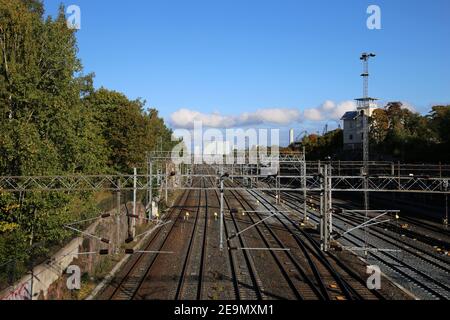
(128, 284)
(417, 270)
(168, 276)
(270, 261)
(300, 279)
(249, 284)
(224, 270)
(393, 234)
(125, 285)
(191, 278)
(428, 223)
(425, 231)
(138, 278)
(350, 285)
(278, 281)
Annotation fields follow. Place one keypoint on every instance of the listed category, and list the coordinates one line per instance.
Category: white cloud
(313, 115)
(329, 110)
(185, 118)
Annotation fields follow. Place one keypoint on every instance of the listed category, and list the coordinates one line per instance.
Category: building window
(350, 137)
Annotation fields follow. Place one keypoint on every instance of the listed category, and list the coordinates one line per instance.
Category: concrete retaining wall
(52, 270)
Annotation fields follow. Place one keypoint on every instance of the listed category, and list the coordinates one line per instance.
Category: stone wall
(47, 274)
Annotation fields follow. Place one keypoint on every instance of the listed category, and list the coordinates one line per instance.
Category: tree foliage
(400, 134)
(397, 134)
(128, 129)
(322, 147)
(53, 121)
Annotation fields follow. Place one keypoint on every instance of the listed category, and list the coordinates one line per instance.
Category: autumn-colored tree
(379, 125)
(320, 147)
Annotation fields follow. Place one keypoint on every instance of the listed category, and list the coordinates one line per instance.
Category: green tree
(129, 130)
(321, 147)
(45, 128)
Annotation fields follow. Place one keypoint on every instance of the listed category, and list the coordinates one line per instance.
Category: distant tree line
(54, 122)
(321, 147)
(396, 134)
(407, 136)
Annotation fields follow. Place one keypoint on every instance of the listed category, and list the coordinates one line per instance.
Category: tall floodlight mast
(366, 105)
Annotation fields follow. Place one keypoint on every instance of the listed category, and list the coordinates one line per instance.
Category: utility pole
(326, 222)
(446, 203)
(150, 168)
(305, 205)
(278, 193)
(133, 221)
(330, 201)
(118, 214)
(166, 182)
(32, 255)
(322, 209)
(325, 205)
(446, 211)
(221, 211)
(223, 176)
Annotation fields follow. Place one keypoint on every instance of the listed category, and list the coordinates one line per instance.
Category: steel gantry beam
(296, 183)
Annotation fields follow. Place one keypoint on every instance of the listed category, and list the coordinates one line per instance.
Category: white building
(353, 125)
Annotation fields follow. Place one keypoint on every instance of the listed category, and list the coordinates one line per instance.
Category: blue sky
(231, 56)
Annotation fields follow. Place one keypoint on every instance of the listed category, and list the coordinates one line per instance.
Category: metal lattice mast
(365, 112)
(365, 107)
(305, 209)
